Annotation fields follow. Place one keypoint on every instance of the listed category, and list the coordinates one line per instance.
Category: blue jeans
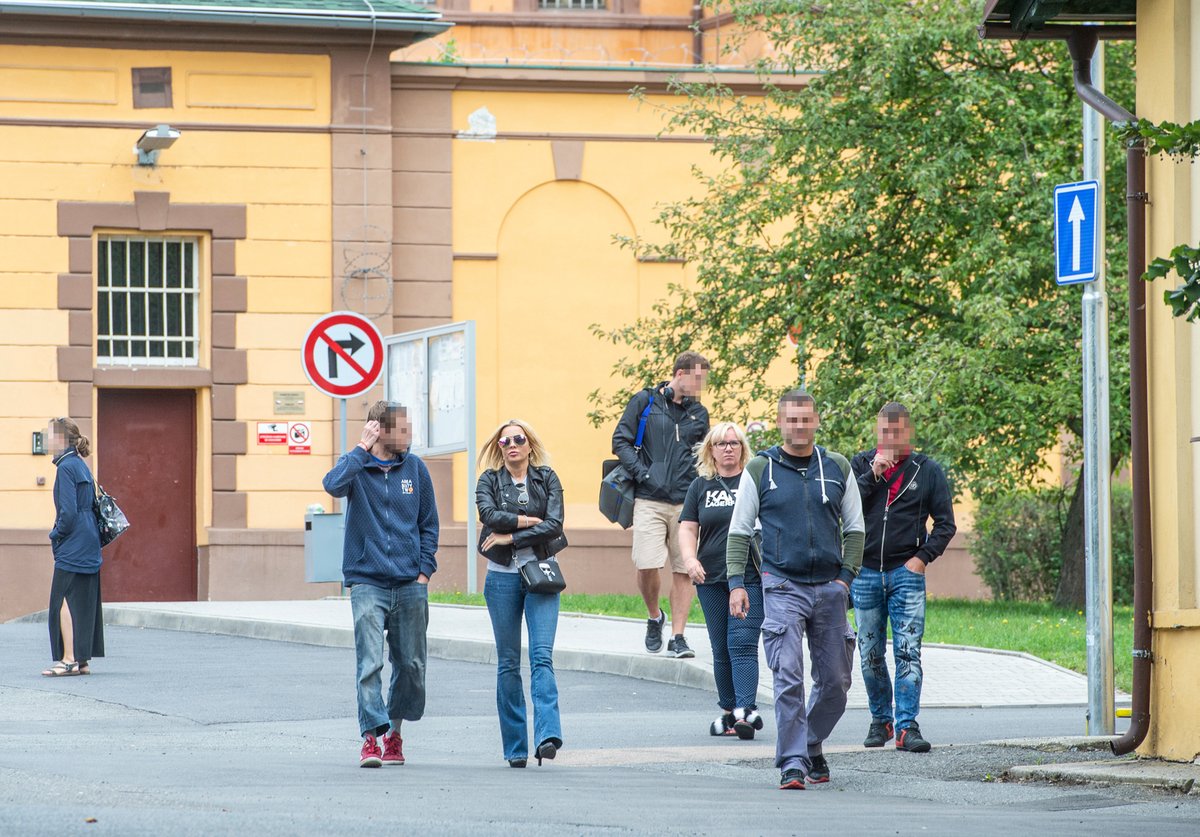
(507, 600)
(898, 597)
(402, 615)
(734, 644)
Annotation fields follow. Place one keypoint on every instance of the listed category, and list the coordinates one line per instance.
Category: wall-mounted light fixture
(152, 142)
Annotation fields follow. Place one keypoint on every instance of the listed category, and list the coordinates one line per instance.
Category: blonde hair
(490, 457)
(75, 439)
(706, 462)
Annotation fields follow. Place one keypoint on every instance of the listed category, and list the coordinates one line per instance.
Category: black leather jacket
(496, 502)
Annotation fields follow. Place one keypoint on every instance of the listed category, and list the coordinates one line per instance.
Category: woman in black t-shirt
(703, 530)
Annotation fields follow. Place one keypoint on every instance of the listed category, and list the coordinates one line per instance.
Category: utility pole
(1097, 494)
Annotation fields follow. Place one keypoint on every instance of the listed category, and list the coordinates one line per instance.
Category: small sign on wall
(272, 433)
(288, 403)
(299, 436)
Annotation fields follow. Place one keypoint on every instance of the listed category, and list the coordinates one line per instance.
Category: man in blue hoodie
(389, 555)
(808, 506)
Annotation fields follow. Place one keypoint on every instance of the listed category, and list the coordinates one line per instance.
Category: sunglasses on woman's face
(515, 439)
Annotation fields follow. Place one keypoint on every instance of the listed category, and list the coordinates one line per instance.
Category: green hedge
(1017, 543)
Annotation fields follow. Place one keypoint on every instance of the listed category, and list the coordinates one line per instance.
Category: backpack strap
(637, 443)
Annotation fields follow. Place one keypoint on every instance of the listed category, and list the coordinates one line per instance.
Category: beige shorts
(656, 535)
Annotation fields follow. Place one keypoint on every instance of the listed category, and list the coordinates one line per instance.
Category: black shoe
(516, 762)
(818, 770)
(545, 750)
(910, 739)
(723, 725)
(792, 779)
(678, 647)
(879, 734)
(746, 722)
(654, 632)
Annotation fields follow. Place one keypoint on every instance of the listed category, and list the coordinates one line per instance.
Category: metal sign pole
(343, 411)
(342, 503)
(1096, 490)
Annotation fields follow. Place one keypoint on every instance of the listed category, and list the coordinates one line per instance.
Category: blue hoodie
(75, 538)
(391, 518)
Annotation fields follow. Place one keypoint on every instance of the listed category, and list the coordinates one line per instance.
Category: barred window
(589, 5)
(147, 306)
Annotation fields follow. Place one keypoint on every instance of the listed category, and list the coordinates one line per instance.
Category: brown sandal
(61, 669)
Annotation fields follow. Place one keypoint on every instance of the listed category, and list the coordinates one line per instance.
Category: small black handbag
(110, 520)
(543, 576)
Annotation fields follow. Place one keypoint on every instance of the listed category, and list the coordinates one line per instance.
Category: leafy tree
(897, 211)
(1181, 142)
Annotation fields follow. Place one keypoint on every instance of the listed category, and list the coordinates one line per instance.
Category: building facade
(324, 162)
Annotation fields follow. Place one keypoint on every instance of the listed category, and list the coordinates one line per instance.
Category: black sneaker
(654, 632)
(792, 779)
(879, 734)
(678, 647)
(818, 770)
(910, 739)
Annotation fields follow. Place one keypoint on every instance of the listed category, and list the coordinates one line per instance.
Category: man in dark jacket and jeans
(901, 489)
(391, 541)
(663, 468)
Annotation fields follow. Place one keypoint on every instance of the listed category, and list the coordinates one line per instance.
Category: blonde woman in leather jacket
(520, 504)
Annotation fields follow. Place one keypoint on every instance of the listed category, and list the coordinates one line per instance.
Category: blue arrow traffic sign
(1076, 234)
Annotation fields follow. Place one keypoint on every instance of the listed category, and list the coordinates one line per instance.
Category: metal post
(1097, 514)
(341, 504)
(343, 426)
(469, 482)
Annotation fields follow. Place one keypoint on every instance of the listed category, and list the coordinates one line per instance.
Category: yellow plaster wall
(1169, 89)
(499, 44)
(558, 269)
(67, 127)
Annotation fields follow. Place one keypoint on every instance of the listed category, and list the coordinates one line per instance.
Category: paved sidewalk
(954, 676)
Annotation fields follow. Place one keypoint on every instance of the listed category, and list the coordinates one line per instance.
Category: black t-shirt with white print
(710, 503)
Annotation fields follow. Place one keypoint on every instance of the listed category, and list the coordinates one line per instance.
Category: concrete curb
(691, 673)
(1059, 745)
(657, 669)
(1151, 773)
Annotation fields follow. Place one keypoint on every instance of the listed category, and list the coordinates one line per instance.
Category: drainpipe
(697, 34)
(1082, 44)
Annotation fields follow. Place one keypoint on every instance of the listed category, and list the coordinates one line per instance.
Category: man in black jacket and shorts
(663, 468)
(901, 490)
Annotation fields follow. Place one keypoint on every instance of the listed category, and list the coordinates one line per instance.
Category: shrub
(1017, 543)
(1122, 544)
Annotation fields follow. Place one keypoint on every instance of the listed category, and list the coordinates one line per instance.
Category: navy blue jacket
(75, 537)
(391, 518)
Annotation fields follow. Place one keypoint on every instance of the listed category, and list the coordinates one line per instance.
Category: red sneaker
(371, 755)
(392, 748)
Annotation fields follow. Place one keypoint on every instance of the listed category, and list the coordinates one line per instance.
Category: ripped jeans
(898, 597)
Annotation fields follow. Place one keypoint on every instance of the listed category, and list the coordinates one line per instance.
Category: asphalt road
(180, 733)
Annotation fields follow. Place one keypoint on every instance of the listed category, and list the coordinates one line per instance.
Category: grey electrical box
(324, 535)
